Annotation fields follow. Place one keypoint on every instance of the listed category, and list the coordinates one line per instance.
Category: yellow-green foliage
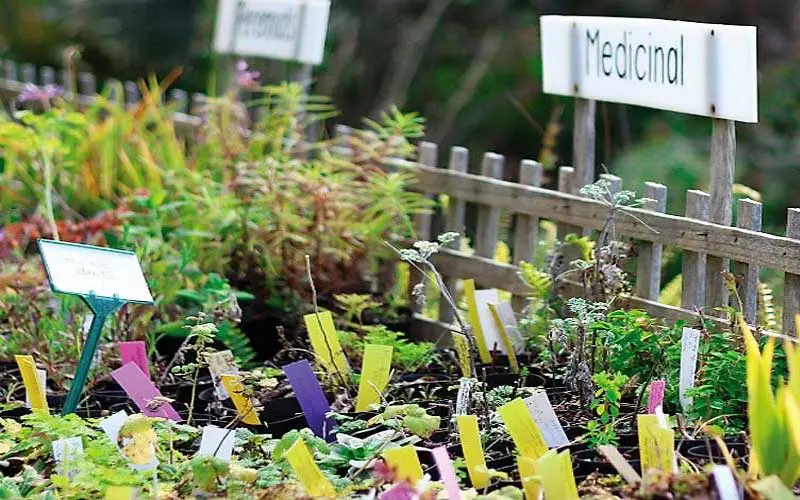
(774, 417)
(538, 280)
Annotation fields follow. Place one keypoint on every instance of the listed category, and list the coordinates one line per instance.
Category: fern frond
(538, 281)
(766, 307)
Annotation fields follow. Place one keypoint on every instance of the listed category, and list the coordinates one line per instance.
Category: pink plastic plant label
(136, 352)
(142, 391)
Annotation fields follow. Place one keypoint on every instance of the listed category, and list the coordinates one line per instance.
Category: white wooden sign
(290, 30)
(700, 69)
(89, 270)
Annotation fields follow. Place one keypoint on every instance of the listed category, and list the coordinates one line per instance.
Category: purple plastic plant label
(656, 397)
(136, 352)
(143, 392)
(311, 398)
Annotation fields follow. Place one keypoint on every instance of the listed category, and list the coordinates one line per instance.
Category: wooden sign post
(105, 279)
(700, 69)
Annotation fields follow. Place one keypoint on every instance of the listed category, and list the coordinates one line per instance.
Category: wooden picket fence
(706, 246)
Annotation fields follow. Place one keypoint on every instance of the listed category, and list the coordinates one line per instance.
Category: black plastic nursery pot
(701, 451)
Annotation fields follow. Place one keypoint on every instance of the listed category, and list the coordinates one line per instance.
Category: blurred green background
(472, 68)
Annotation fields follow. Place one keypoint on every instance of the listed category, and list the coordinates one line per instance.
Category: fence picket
(132, 95)
(693, 288)
(748, 216)
(648, 263)
(454, 221)
(428, 152)
(566, 177)
(10, 70)
(28, 73)
(791, 282)
(526, 227)
(488, 215)
(47, 75)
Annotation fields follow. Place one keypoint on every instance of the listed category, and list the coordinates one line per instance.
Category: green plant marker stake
(102, 309)
(106, 279)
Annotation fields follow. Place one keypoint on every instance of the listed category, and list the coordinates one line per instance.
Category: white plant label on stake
(65, 452)
(290, 30)
(218, 442)
(690, 344)
(727, 486)
(94, 271)
(42, 374)
(545, 417)
(490, 335)
(463, 397)
(506, 313)
(219, 364)
(111, 425)
(700, 69)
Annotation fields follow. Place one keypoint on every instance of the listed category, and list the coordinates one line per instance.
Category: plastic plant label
(690, 343)
(136, 352)
(89, 270)
(34, 389)
(244, 405)
(523, 429)
(545, 417)
(528, 474)
(305, 468)
(490, 335)
(42, 376)
(374, 375)
(470, 437)
(447, 472)
(461, 345)
(505, 341)
(624, 468)
(405, 462)
(555, 469)
(111, 425)
(656, 397)
(219, 364)
(475, 322)
(463, 396)
(142, 391)
(506, 313)
(726, 484)
(217, 442)
(325, 343)
(120, 493)
(311, 397)
(656, 444)
(66, 452)
(773, 489)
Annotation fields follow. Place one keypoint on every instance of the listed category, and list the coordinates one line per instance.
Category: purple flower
(33, 93)
(244, 78)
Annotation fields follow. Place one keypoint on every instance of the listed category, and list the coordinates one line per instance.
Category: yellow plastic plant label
(501, 330)
(305, 468)
(325, 343)
(475, 322)
(528, 474)
(374, 375)
(120, 493)
(244, 405)
(461, 345)
(471, 446)
(555, 469)
(405, 463)
(656, 444)
(523, 429)
(33, 385)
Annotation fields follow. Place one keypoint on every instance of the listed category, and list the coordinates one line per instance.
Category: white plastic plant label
(111, 425)
(506, 314)
(490, 335)
(217, 442)
(66, 453)
(690, 344)
(219, 364)
(463, 397)
(545, 417)
(726, 484)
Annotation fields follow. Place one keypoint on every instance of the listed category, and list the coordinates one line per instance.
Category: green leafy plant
(407, 355)
(605, 404)
(410, 417)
